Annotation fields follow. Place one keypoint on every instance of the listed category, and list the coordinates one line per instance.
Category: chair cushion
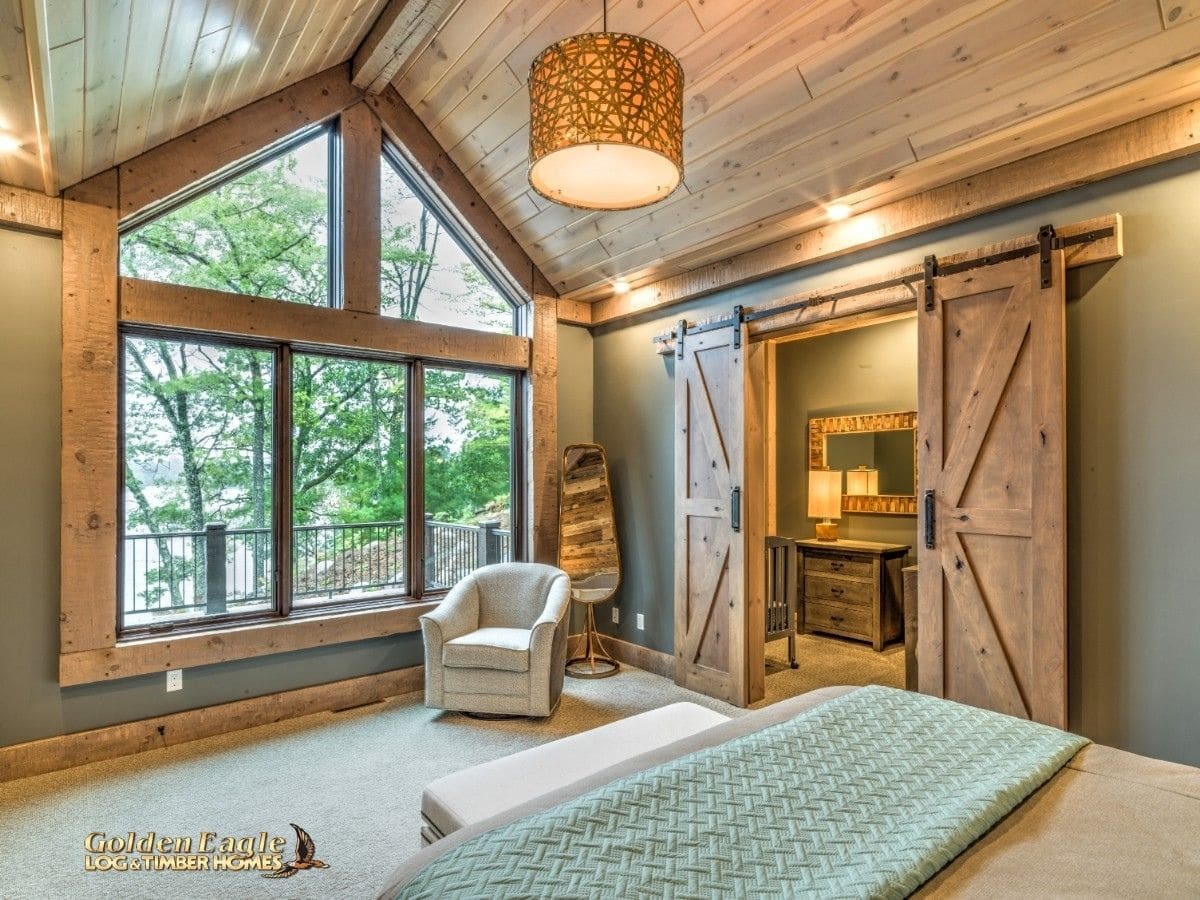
(506, 649)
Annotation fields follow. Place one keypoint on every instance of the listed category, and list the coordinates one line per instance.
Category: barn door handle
(930, 520)
(735, 509)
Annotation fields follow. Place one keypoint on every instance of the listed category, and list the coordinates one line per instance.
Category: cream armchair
(497, 643)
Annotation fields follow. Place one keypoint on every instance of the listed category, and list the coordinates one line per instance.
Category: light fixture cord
(604, 17)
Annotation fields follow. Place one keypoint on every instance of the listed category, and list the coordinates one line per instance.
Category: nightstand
(852, 589)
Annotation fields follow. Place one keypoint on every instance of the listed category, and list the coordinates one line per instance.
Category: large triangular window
(427, 273)
(264, 232)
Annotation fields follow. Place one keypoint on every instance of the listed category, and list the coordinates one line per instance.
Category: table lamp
(862, 482)
(825, 501)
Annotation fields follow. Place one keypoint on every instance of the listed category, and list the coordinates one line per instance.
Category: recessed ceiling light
(620, 286)
(838, 211)
(9, 143)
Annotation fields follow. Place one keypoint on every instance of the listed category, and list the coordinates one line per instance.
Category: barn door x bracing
(709, 547)
(992, 561)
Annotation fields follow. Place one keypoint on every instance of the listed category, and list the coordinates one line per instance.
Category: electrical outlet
(641, 622)
(616, 616)
(175, 680)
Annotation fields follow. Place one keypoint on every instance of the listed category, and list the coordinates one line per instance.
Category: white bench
(482, 791)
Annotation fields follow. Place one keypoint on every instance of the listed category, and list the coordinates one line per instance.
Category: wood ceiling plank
(65, 110)
(483, 97)
(1166, 135)
(149, 19)
(510, 155)
(398, 33)
(285, 27)
(317, 20)
(254, 26)
(182, 34)
(106, 40)
(351, 34)
(450, 42)
(517, 210)
(62, 21)
(18, 109)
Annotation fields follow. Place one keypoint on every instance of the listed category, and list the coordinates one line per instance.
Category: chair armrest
(458, 613)
(558, 601)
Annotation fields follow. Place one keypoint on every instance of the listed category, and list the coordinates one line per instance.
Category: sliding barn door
(710, 578)
(992, 560)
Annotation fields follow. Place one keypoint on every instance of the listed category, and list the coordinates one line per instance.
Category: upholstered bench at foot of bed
(482, 791)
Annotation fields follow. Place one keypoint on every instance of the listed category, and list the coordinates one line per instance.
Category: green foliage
(199, 416)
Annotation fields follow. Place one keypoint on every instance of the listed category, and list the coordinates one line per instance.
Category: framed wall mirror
(878, 453)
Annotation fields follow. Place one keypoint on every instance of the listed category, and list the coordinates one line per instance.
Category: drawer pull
(836, 566)
(837, 591)
(836, 619)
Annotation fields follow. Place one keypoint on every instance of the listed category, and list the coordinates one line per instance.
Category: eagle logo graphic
(306, 857)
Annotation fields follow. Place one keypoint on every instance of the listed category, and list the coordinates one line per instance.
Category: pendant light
(605, 121)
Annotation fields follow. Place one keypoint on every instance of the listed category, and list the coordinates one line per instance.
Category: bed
(1107, 823)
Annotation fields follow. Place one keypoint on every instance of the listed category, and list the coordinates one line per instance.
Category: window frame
(282, 525)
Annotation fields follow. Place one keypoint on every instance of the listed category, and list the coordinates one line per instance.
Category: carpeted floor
(825, 661)
(352, 779)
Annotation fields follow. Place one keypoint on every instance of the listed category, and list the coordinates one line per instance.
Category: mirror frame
(882, 504)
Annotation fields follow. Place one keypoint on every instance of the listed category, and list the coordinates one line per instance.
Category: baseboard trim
(80, 747)
(631, 654)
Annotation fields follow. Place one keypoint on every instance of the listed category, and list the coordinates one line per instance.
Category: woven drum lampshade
(606, 122)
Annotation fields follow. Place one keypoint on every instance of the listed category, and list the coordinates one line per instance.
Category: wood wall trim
(199, 309)
(198, 155)
(402, 30)
(542, 429)
(644, 658)
(360, 232)
(574, 312)
(1157, 138)
(877, 304)
(88, 577)
(79, 748)
(441, 173)
(29, 210)
(241, 641)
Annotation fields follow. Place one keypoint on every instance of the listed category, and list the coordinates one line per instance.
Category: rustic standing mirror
(588, 550)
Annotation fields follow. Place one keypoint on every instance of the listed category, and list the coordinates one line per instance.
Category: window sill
(144, 655)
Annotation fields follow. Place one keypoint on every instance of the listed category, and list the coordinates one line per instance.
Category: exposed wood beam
(203, 152)
(112, 741)
(360, 235)
(442, 174)
(29, 210)
(541, 426)
(1153, 139)
(574, 312)
(402, 29)
(198, 309)
(878, 298)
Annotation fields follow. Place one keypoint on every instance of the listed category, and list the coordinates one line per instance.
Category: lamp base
(827, 531)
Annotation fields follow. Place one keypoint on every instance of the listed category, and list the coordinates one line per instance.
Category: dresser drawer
(850, 620)
(839, 590)
(838, 564)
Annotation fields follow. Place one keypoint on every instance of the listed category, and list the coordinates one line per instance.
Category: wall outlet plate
(616, 613)
(641, 622)
(175, 680)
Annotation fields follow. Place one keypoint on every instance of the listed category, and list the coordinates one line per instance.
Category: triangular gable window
(428, 274)
(263, 232)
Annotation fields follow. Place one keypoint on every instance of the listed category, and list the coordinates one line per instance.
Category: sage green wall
(1134, 426)
(865, 370)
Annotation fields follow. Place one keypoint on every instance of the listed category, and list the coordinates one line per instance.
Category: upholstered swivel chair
(497, 644)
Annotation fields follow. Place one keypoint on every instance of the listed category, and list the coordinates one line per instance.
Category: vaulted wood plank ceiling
(789, 105)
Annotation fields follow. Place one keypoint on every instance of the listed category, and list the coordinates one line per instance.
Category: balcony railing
(187, 574)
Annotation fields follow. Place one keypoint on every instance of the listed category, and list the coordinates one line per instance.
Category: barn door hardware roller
(679, 332)
(737, 319)
(931, 272)
(1046, 245)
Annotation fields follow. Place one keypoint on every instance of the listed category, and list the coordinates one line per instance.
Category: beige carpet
(825, 661)
(352, 779)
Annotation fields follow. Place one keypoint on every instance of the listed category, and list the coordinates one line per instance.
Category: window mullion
(415, 475)
(282, 517)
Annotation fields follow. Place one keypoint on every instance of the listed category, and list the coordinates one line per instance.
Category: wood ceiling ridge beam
(443, 175)
(402, 30)
(1156, 138)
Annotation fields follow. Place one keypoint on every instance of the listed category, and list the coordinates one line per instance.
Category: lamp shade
(862, 482)
(605, 122)
(824, 494)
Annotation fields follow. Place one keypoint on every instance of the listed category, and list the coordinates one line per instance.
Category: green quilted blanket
(867, 795)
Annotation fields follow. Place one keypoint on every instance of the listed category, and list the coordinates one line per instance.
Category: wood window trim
(96, 302)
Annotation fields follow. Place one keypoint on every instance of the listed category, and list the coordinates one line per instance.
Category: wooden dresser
(852, 589)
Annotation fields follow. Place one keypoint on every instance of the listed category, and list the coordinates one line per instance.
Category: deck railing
(220, 569)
